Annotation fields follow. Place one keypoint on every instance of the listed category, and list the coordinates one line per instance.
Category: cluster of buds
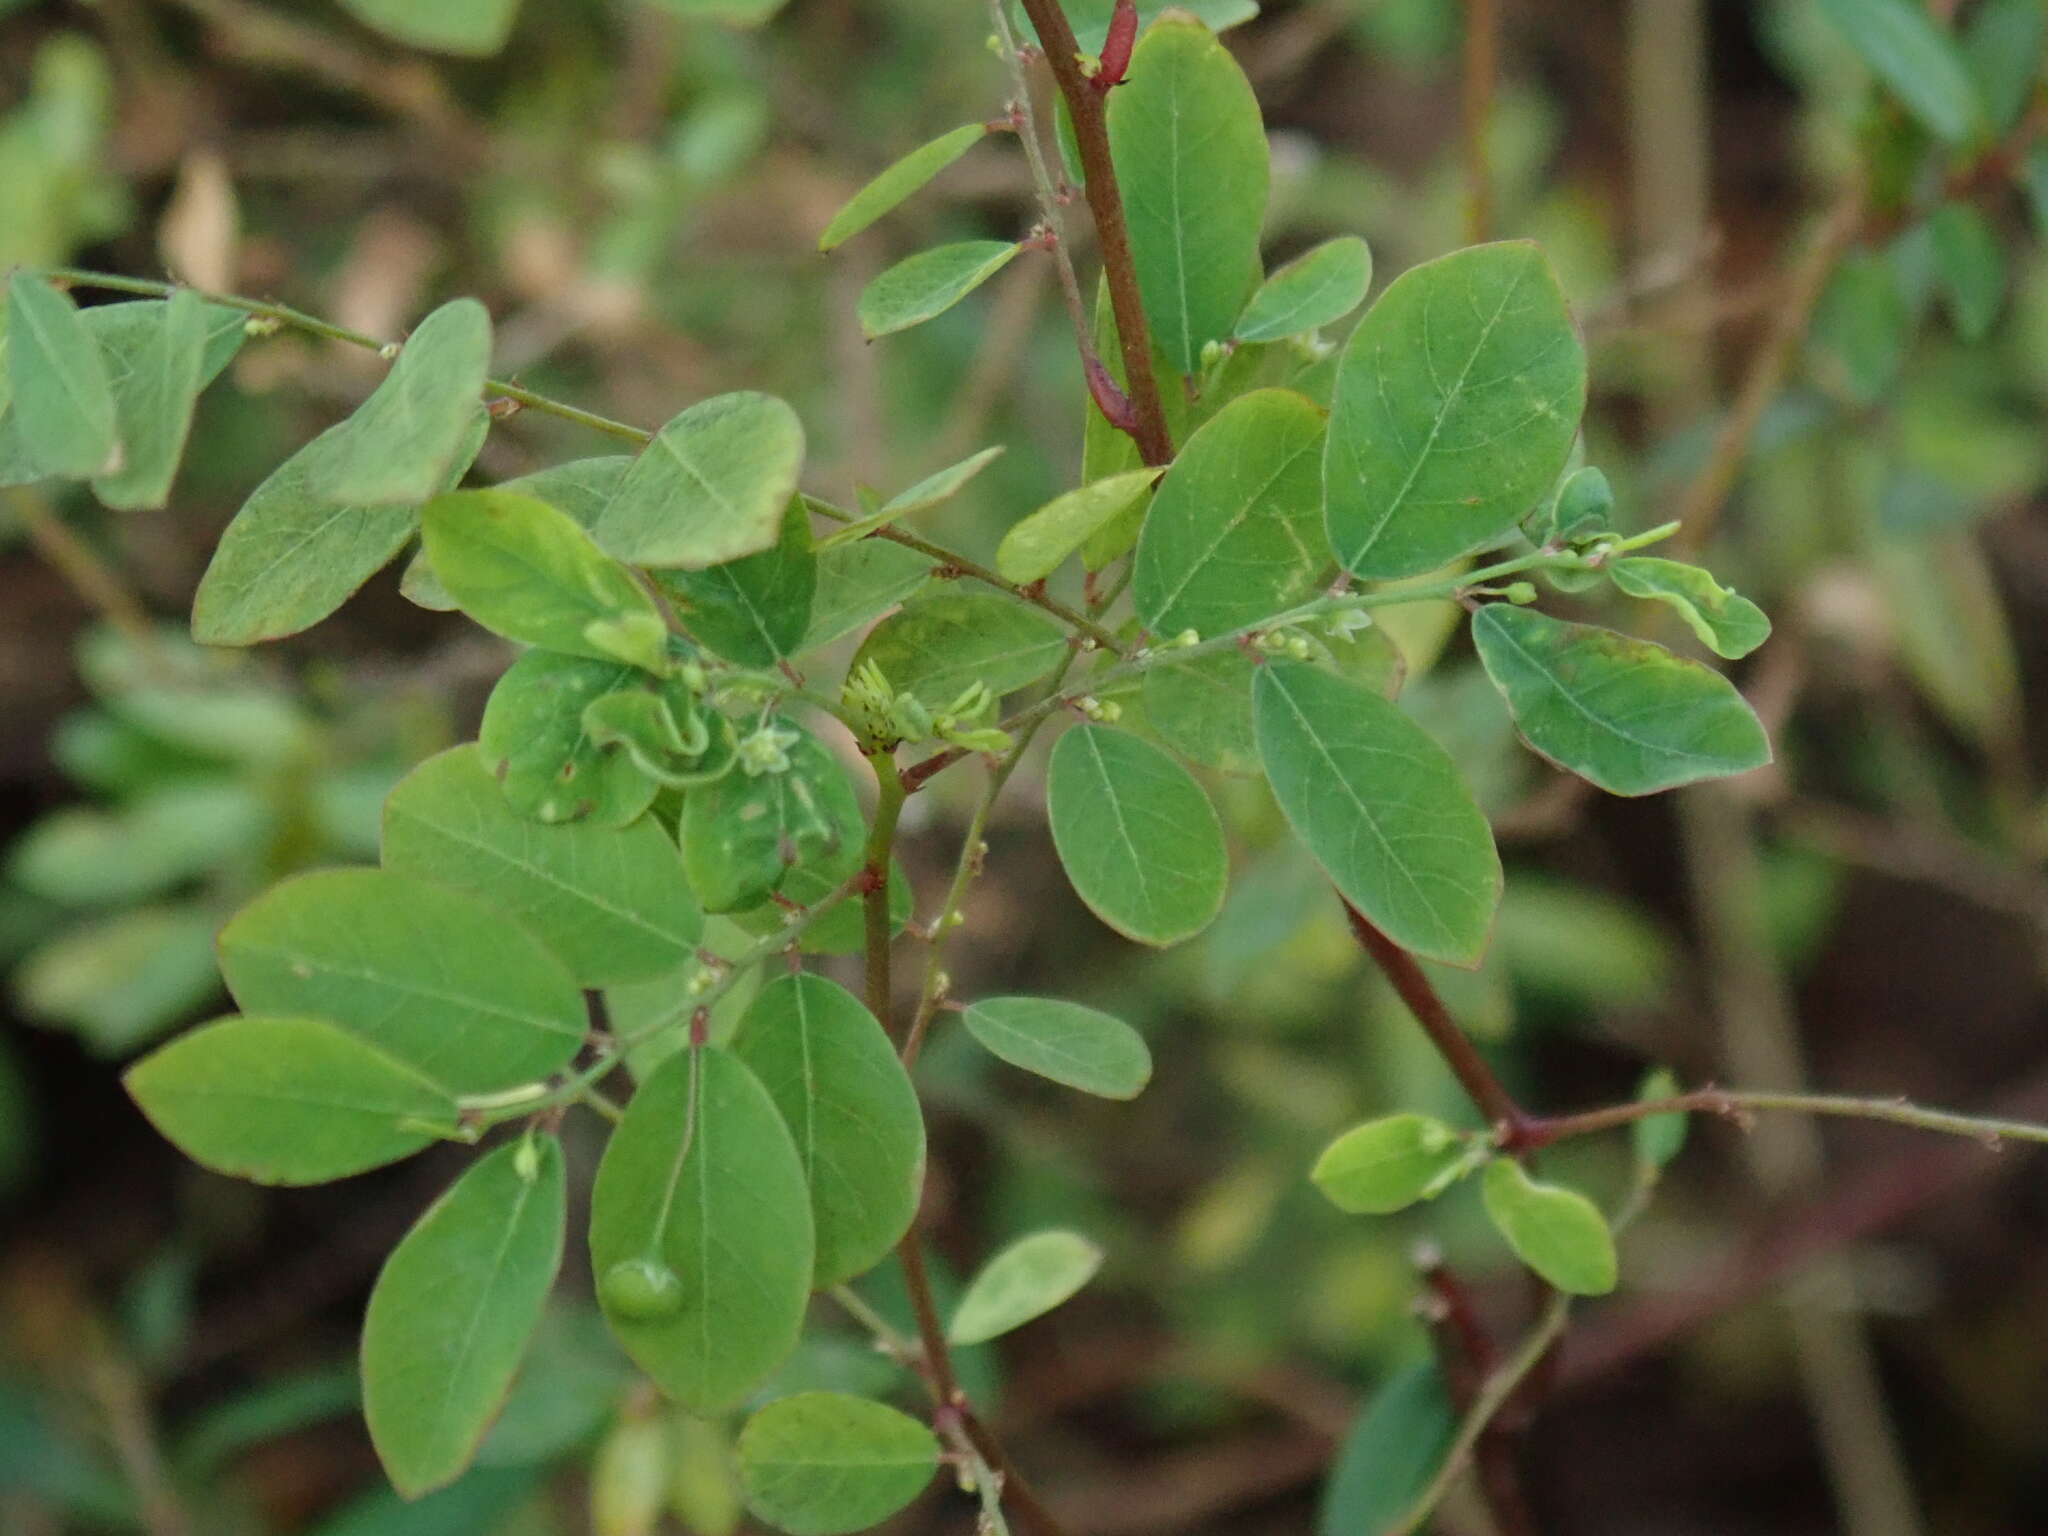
(1289, 642)
(882, 717)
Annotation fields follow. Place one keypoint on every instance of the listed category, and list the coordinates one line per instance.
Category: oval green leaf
(1390, 1454)
(928, 284)
(155, 370)
(533, 742)
(1025, 1281)
(757, 609)
(448, 984)
(1621, 713)
(1727, 623)
(63, 409)
(1388, 1164)
(946, 641)
(826, 1463)
(710, 488)
(1317, 288)
(1136, 835)
(1458, 397)
(1970, 263)
(1037, 546)
(612, 902)
(898, 182)
(1081, 1047)
(742, 834)
(701, 1180)
(1918, 61)
(1557, 1232)
(1381, 807)
(848, 1102)
(453, 1309)
(403, 443)
(287, 1101)
(1235, 534)
(1191, 159)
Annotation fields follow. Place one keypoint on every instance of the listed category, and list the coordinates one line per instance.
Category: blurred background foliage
(635, 189)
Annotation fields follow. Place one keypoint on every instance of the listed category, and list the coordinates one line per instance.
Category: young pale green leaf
(155, 378)
(1234, 534)
(453, 1309)
(1584, 507)
(611, 902)
(448, 984)
(1970, 264)
(1381, 807)
(1390, 1455)
(1557, 1232)
(711, 487)
(743, 834)
(291, 556)
(1081, 1047)
(1457, 400)
(2002, 43)
(942, 643)
(928, 284)
(1038, 545)
(858, 583)
(407, 440)
(629, 1473)
(1136, 835)
(527, 572)
(287, 1101)
(475, 28)
(1026, 1280)
(1388, 1164)
(700, 1232)
(899, 181)
(849, 1104)
(826, 1463)
(1917, 60)
(1621, 713)
(933, 489)
(757, 609)
(533, 742)
(1191, 159)
(1658, 1139)
(1727, 623)
(1317, 288)
(63, 406)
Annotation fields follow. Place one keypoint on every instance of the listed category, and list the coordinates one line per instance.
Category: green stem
(889, 798)
(1737, 1104)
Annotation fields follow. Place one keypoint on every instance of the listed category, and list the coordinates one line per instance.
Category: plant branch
(98, 583)
(1085, 106)
(1739, 1104)
(1075, 620)
(1481, 66)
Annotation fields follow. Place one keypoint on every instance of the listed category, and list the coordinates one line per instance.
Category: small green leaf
(1317, 288)
(1136, 835)
(403, 444)
(940, 486)
(1861, 328)
(612, 902)
(757, 609)
(1623, 714)
(453, 1308)
(527, 572)
(1727, 623)
(832, 1072)
(1194, 196)
(1081, 1047)
(711, 487)
(1038, 545)
(1970, 264)
(899, 181)
(1557, 1232)
(1390, 1455)
(155, 377)
(1233, 535)
(1026, 1280)
(292, 556)
(1381, 807)
(1584, 507)
(702, 1183)
(287, 1101)
(825, 1463)
(2002, 42)
(475, 28)
(449, 985)
(1388, 1164)
(945, 641)
(1458, 398)
(928, 284)
(122, 980)
(743, 834)
(533, 741)
(858, 583)
(1658, 1138)
(63, 406)
(1916, 59)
